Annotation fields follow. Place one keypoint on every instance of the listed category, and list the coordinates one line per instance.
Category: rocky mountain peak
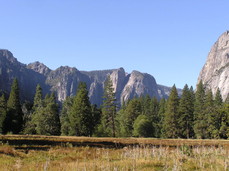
(215, 72)
(39, 67)
(139, 84)
(8, 56)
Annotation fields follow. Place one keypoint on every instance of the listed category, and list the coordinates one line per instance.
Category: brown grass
(82, 153)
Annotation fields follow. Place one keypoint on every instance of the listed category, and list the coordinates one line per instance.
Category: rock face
(215, 73)
(64, 81)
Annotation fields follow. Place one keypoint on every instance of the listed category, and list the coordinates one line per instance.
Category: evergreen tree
(48, 122)
(81, 115)
(217, 118)
(38, 98)
(64, 117)
(199, 115)
(96, 117)
(209, 115)
(132, 111)
(186, 109)
(14, 118)
(109, 107)
(155, 117)
(224, 127)
(161, 114)
(37, 109)
(218, 98)
(171, 115)
(3, 112)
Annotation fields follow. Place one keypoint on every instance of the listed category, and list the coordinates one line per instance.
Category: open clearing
(26, 152)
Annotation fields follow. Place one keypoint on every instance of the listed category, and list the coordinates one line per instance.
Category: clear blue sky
(169, 39)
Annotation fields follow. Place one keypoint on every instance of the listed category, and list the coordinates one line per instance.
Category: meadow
(21, 152)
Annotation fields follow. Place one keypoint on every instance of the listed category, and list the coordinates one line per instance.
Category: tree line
(192, 115)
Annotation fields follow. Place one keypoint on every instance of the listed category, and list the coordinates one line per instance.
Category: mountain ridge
(64, 80)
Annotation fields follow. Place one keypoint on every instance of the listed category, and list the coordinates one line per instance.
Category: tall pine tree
(109, 107)
(186, 109)
(64, 117)
(14, 118)
(37, 109)
(171, 115)
(81, 115)
(199, 115)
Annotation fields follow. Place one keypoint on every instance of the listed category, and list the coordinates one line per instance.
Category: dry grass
(137, 154)
(107, 142)
(128, 158)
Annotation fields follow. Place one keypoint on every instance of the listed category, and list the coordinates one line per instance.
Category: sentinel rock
(215, 73)
(139, 84)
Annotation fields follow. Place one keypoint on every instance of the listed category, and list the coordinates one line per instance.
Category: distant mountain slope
(64, 80)
(215, 73)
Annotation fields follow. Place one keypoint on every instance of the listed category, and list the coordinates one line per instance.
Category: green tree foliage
(49, 121)
(96, 117)
(3, 112)
(186, 110)
(161, 114)
(142, 127)
(224, 127)
(171, 115)
(14, 118)
(155, 117)
(218, 98)
(215, 115)
(199, 114)
(37, 109)
(132, 110)
(209, 115)
(64, 117)
(81, 115)
(109, 107)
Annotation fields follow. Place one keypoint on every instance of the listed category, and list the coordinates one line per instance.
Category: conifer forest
(194, 115)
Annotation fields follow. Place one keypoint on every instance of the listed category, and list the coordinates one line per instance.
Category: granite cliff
(215, 72)
(64, 80)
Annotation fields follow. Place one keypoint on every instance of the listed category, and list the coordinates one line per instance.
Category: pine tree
(64, 117)
(209, 127)
(37, 109)
(14, 118)
(171, 115)
(217, 118)
(48, 122)
(199, 108)
(38, 98)
(132, 111)
(81, 116)
(186, 109)
(218, 98)
(109, 107)
(224, 127)
(161, 114)
(3, 112)
(96, 117)
(155, 118)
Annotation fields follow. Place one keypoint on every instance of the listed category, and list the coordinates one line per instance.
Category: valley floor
(82, 153)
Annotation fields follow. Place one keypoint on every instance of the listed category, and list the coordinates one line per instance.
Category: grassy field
(82, 153)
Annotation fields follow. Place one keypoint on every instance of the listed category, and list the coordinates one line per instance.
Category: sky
(169, 39)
